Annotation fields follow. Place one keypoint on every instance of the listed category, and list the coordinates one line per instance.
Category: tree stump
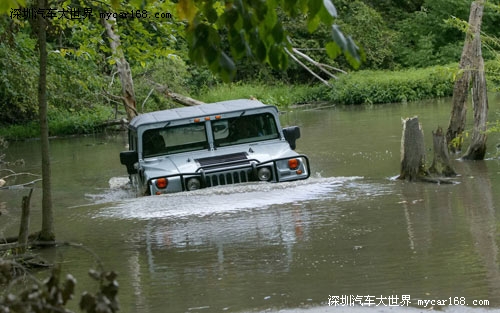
(25, 225)
(412, 151)
(441, 161)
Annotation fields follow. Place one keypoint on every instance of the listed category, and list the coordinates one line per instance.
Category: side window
(244, 129)
(153, 143)
(132, 141)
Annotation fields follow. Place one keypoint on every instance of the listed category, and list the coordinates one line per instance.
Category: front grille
(228, 177)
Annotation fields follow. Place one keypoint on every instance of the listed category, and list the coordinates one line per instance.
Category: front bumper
(277, 170)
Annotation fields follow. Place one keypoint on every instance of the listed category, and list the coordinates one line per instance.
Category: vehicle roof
(195, 111)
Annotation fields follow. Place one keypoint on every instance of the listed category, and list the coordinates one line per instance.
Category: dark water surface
(349, 233)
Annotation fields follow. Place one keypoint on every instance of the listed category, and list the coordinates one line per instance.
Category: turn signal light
(161, 183)
(293, 164)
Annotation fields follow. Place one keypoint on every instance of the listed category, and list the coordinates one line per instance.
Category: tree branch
(307, 68)
(321, 66)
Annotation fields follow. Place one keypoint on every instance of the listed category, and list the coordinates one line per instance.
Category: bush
(355, 88)
(61, 123)
(18, 81)
(73, 83)
(385, 87)
(492, 69)
(279, 95)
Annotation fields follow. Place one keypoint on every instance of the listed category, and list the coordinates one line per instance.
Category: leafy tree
(18, 67)
(424, 38)
(378, 43)
(255, 30)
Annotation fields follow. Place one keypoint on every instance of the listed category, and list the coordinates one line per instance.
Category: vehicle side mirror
(291, 134)
(129, 158)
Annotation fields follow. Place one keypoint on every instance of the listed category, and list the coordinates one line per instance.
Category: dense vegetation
(411, 51)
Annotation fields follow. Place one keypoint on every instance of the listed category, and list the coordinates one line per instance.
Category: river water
(348, 235)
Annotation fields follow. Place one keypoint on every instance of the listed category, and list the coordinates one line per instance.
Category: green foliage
(254, 30)
(84, 121)
(73, 83)
(393, 34)
(373, 87)
(62, 122)
(378, 43)
(492, 69)
(423, 37)
(171, 72)
(18, 84)
(279, 94)
(7, 5)
(364, 87)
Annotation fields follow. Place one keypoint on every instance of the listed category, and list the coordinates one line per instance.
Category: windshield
(175, 139)
(244, 129)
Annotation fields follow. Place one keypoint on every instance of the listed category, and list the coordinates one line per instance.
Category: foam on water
(224, 199)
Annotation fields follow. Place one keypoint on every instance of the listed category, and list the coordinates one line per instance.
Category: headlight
(193, 184)
(161, 183)
(264, 174)
(293, 164)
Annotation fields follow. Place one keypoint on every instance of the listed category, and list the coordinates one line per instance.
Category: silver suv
(209, 145)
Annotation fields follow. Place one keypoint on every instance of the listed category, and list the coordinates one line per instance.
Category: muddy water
(349, 234)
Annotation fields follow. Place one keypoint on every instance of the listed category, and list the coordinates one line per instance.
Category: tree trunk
(477, 148)
(47, 232)
(128, 94)
(461, 88)
(441, 161)
(412, 151)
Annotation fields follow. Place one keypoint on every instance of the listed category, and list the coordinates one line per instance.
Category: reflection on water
(350, 230)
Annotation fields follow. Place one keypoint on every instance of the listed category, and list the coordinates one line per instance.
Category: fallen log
(119, 122)
(178, 98)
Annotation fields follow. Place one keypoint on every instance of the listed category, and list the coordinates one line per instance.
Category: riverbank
(363, 87)
(356, 88)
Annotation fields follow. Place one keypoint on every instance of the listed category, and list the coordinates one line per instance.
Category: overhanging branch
(294, 53)
(307, 68)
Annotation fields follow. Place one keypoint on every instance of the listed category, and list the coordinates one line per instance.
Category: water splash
(240, 197)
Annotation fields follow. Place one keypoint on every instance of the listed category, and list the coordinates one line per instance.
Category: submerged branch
(20, 186)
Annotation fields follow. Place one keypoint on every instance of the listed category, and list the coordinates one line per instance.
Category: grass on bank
(62, 123)
(363, 87)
